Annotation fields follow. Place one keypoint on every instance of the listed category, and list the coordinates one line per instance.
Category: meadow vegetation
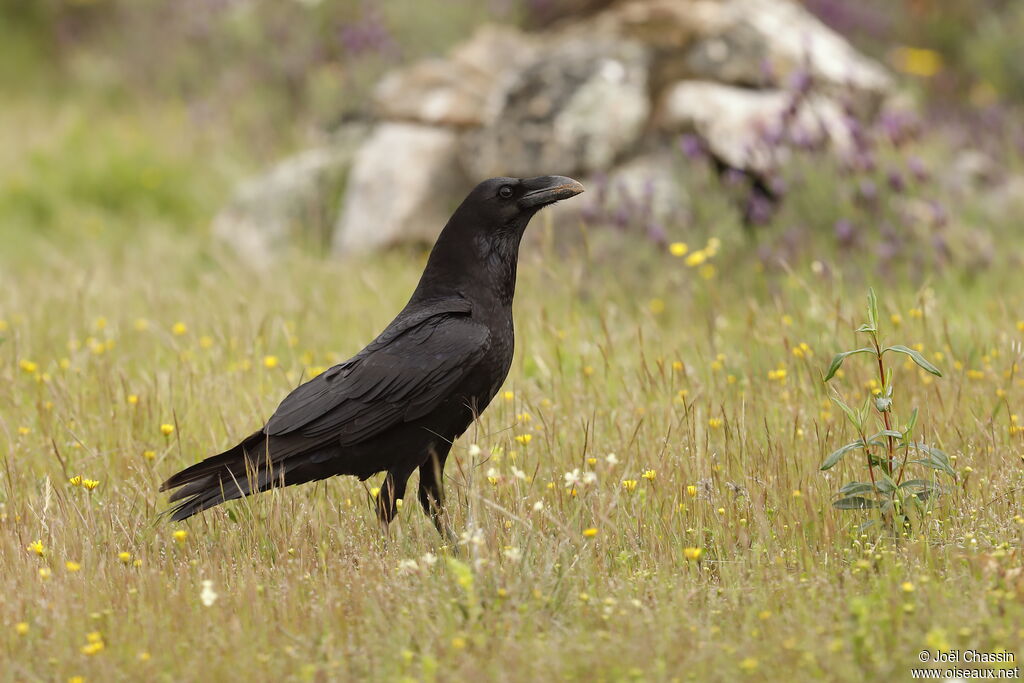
(642, 501)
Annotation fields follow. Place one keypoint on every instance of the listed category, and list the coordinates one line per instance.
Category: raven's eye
(505, 192)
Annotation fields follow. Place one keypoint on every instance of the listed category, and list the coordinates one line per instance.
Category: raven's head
(478, 249)
(506, 205)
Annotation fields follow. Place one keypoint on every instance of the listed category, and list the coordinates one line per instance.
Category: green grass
(309, 590)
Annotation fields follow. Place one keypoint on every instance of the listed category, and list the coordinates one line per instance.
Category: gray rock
(293, 203)
(791, 37)
(739, 41)
(404, 183)
(463, 89)
(578, 107)
(737, 122)
(650, 185)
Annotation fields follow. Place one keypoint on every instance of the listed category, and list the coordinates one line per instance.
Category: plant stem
(891, 444)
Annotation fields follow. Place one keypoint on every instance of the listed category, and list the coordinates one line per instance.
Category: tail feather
(240, 471)
(230, 460)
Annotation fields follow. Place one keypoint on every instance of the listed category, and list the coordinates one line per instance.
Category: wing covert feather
(402, 375)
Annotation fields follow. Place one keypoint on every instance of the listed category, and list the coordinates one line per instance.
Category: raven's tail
(247, 468)
(232, 474)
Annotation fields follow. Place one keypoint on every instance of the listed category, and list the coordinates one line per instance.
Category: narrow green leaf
(885, 483)
(887, 432)
(847, 410)
(916, 357)
(856, 487)
(935, 459)
(838, 454)
(911, 423)
(854, 503)
(872, 308)
(837, 361)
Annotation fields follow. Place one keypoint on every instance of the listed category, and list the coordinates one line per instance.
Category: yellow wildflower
(180, 535)
(697, 258)
(629, 484)
(28, 366)
(72, 566)
(649, 475)
(693, 554)
(21, 628)
(678, 249)
(166, 429)
(590, 533)
(179, 329)
(37, 548)
(124, 556)
(917, 61)
(524, 438)
(270, 362)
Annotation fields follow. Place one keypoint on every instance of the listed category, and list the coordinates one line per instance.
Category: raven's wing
(404, 374)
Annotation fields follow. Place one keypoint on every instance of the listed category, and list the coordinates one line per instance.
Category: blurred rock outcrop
(600, 96)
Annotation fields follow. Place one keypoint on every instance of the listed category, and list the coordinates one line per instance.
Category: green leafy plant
(887, 450)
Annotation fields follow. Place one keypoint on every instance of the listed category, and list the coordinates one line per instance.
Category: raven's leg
(432, 493)
(390, 493)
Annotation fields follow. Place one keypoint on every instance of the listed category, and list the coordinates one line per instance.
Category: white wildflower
(512, 553)
(538, 506)
(208, 596)
(518, 473)
(474, 450)
(611, 459)
(408, 567)
(589, 478)
(572, 478)
(429, 559)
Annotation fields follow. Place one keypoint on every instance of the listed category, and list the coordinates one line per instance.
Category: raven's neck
(481, 268)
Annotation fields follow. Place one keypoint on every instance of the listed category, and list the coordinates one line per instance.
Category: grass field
(721, 557)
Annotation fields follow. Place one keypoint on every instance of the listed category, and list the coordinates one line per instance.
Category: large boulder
(294, 202)
(403, 185)
(577, 108)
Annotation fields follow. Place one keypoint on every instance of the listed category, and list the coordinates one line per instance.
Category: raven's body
(399, 403)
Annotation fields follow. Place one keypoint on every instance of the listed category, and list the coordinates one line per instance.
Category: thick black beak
(548, 190)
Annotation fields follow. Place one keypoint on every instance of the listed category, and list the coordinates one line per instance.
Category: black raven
(398, 404)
